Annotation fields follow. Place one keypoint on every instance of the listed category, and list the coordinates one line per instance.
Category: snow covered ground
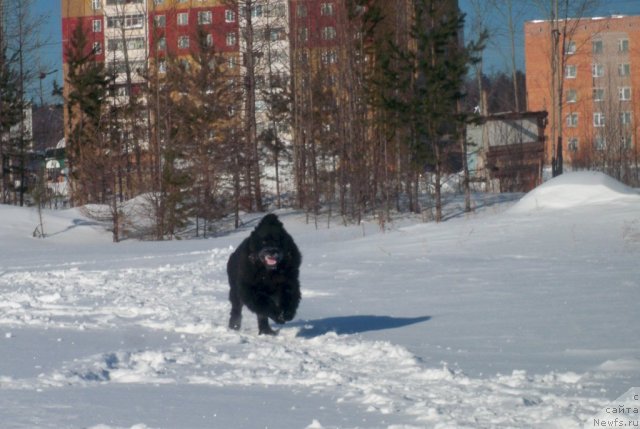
(524, 314)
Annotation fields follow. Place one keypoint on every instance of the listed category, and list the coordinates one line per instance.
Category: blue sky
(50, 55)
(495, 56)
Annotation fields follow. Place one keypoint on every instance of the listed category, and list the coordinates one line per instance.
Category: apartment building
(144, 33)
(138, 32)
(601, 86)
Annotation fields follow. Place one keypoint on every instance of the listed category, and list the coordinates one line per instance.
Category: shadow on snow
(353, 324)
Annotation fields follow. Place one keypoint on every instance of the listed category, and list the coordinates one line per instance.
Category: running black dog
(263, 275)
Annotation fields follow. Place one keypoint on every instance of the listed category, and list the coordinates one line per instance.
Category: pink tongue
(271, 261)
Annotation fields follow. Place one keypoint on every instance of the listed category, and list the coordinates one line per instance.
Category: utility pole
(557, 74)
(22, 143)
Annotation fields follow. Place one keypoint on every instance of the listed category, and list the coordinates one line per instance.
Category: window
(570, 48)
(572, 120)
(598, 94)
(626, 141)
(183, 18)
(208, 42)
(232, 62)
(97, 25)
(328, 33)
(96, 4)
(597, 70)
(160, 21)
(326, 9)
(161, 44)
(158, 1)
(301, 11)
(571, 72)
(598, 119)
(256, 11)
(600, 143)
(120, 67)
(274, 34)
(303, 34)
(183, 42)
(303, 58)
(132, 44)
(329, 57)
(231, 39)
(597, 47)
(572, 96)
(97, 48)
(114, 22)
(278, 10)
(573, 144)
(623, 46)
(624, 70)
(121, 91)
(204, 17)
(625, 118)
(135, 43)
(126, 21)
(162, 66)
(229, 16)
(624, 93)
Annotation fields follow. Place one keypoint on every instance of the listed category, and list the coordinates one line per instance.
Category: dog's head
(267, 243)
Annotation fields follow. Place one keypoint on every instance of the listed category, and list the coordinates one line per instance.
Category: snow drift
(576, 189)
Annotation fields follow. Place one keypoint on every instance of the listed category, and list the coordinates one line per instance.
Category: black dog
(263, 275)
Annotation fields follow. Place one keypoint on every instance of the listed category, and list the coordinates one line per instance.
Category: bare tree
(564, 17)
(249, 10)
(607, 146)
(22, 42)
(511, 12)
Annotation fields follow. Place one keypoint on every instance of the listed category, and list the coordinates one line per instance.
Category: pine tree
(10, 115)
(422, 77)
(87, 83)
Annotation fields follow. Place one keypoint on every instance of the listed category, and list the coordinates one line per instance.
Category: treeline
(19, 71)
(362, 126)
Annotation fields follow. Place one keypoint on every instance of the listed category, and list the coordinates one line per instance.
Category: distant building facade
(601, 88)
(145, 32)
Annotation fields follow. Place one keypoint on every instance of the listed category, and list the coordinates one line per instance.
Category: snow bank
(572, 190)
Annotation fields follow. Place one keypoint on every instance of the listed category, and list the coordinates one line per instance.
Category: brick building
(156, 29)
(601, 87)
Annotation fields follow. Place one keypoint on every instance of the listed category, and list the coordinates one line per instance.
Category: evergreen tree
(87, 83)
(10, 115)
(423, 76)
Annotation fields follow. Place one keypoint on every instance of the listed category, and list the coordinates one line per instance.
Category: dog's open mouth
(270, 257)
(270, 261)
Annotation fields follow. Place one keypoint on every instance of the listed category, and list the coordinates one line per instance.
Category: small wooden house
(506, 150)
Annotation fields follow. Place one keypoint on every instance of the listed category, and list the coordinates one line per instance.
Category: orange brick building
(601, 86)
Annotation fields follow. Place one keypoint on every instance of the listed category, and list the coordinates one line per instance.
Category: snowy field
(524, 314)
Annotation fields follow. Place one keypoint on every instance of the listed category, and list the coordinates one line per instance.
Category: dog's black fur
(263, 275)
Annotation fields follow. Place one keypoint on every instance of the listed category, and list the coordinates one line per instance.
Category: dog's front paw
(235, 323)
(267, 331)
